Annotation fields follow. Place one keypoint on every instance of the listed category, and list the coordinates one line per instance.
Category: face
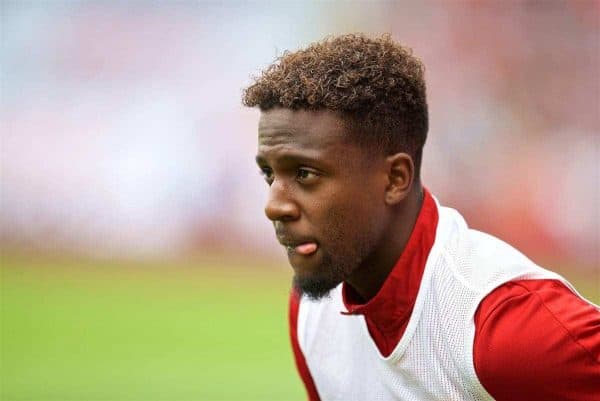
(326, 196)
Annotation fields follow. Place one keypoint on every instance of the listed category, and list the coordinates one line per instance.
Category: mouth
(304, 247)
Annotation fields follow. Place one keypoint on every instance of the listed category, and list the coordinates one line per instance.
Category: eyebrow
(291, 158)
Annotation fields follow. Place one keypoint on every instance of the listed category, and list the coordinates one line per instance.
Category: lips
(300, 246)
(306, 248)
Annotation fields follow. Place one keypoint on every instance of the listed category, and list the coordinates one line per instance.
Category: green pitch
(214, 330)
(103, 331)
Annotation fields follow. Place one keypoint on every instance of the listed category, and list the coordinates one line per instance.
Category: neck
(369, 278)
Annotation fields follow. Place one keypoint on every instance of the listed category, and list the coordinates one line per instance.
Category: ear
(401, 172)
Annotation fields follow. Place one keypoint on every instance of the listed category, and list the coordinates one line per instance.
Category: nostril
(281, 208)
(281, 211)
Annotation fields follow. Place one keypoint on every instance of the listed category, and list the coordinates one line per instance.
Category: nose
(280, 205)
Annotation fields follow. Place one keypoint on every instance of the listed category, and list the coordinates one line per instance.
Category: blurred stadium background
(136, 261)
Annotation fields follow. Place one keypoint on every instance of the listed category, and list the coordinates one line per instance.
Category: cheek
(362, 205)
(347, 223)
(346, 210)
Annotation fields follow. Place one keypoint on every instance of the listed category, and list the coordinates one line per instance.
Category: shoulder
(480, 260)
(536, 339)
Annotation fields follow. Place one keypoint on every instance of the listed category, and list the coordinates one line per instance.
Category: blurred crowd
(122, 131)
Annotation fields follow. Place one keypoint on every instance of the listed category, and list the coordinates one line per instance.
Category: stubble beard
(332, 272)
(319, 286)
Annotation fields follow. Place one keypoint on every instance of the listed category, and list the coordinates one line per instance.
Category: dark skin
(343, 212)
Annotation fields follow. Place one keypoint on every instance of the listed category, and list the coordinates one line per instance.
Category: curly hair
(375, 84)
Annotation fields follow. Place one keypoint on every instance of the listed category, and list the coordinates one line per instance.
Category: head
(342, 128)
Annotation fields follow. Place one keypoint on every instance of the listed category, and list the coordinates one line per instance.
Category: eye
(306, 176)
(267, 174)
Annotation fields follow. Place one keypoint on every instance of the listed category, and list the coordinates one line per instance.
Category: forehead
(308, 129)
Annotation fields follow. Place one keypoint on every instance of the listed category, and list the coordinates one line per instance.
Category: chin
(315, 287)
(314, 292)
(316, 275)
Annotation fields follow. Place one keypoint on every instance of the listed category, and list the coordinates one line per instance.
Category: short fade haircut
(376, 85)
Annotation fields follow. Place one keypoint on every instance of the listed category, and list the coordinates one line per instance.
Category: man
(395, 298)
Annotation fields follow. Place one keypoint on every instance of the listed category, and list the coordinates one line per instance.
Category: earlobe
(400, 170)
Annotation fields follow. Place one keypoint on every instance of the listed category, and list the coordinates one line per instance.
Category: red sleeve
(536, 340)
(309, 384)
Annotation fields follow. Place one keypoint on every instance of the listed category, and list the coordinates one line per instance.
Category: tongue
(306, 248)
